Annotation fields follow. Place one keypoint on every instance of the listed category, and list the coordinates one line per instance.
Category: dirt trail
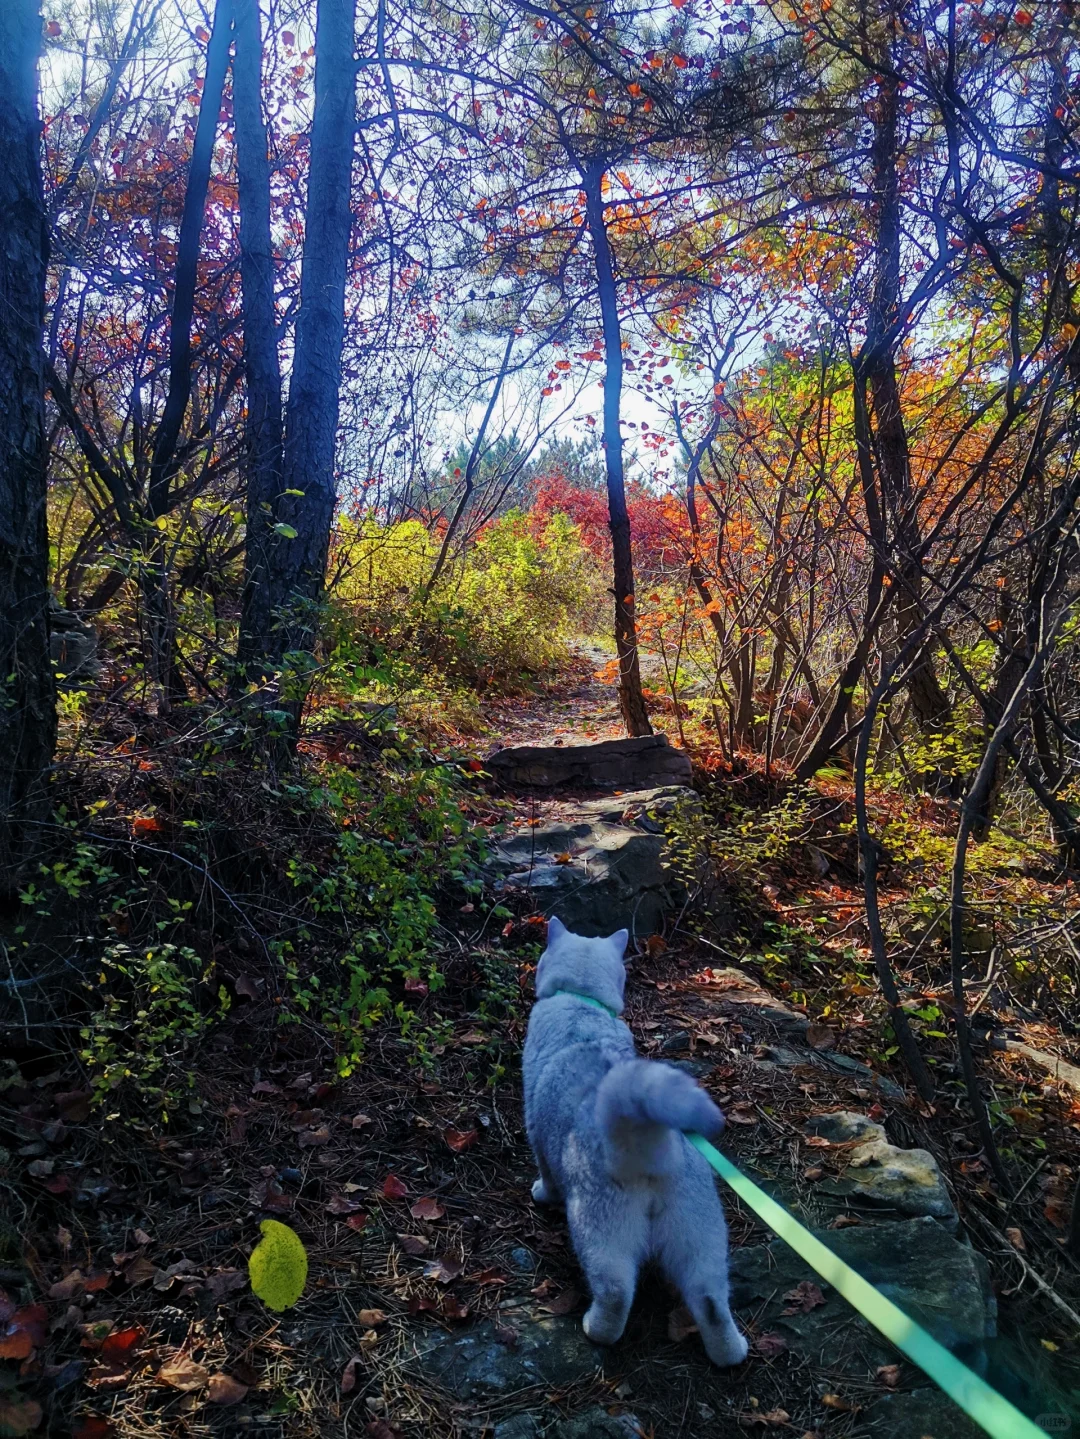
(441, 1302)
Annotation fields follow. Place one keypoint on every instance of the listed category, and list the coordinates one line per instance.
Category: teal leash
(989, 1409)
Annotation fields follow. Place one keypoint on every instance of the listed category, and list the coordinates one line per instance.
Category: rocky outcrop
(942, 1284)
(877, 1173)
(601, 867)
(625, 764)
(525, 1348)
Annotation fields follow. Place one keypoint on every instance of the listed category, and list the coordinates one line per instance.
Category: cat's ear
(555, 928)
(618, 941)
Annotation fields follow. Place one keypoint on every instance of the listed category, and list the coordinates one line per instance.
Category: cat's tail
(639, 1103)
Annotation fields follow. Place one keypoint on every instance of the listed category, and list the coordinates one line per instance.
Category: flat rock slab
(475, 1364)
(942, 1284)
(601, 866)
(921, 1414)
(611, 764)
(907, 1181)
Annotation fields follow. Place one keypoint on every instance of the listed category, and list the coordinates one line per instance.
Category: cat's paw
(542, 1194)
(601, 1327)
(727, 1349)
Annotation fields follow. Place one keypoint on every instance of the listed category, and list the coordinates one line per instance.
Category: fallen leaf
(18, 1415)
(41, 1168)
(74, 1105)
(278, 1266)
(263, 1086)
(820, 1037)
(94, 1335)
(348, 1375)
(120, 1345)
(564, 858)
(655, 946)
(357, 1221)
(834, 1401)
(845, 1221)
(680, 1324)
(414, 1243)
(224, 1283)
(342, 1204)
(223, 1389)
(359, 1120)
(452, 1308)
(1016, 1239)
(416, 986)
(459, 1139)
(444, 1270)
(803, 1298)
(393, 1188)
(247, 988)
(69, 1286)
(741, 1113)
(379, 1429)
(814, 1173)
(505, 1335)
(770, 1344)
(93, 1426)
(24, 1332)
(140, 1270)
(564, 1303)
(427, 1208)
(370, 1318)
(314, 1138)
(487, 1276)
(184, 1374)
(889, 1374)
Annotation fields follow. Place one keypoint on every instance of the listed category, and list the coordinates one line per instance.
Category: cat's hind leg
(694, 1256)
(610, 1242)
(545, 1190)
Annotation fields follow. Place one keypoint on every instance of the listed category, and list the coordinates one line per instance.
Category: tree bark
(631, 699)
(265, 456)
(27, 689)
(161, 622)
(304, 511)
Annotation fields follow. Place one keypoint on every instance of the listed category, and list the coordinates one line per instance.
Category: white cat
(605, 1129)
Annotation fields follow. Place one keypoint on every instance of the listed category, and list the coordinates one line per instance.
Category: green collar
(588, 999)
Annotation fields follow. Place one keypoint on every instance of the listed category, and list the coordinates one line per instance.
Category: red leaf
(93, 1426)
(288, 37)
(357, 1221)
(393, 1187)
(52, 29)
(120, 1344)
(459, 1139)
(416, 986)
(24, 1332)
(348, 1375)
(427, 1208)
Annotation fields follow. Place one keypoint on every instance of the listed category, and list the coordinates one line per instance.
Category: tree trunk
(161, 622)
(27, 691)
(631, 700)
(884, 459)
(264, 437)
(304, 511)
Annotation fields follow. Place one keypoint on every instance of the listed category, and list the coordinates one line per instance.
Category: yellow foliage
(278, 1266)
